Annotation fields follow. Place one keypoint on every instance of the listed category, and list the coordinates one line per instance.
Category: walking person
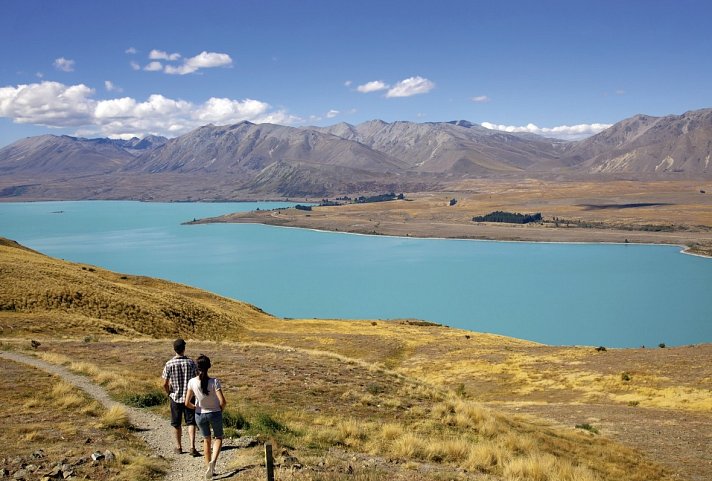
(176, 374)
(209, 404)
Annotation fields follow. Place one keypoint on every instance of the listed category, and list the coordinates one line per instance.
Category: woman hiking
(209, 404)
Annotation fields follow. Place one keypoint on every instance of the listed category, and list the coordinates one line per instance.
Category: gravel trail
(155, 430)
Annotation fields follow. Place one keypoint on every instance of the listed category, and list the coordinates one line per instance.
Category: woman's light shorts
(207, 420)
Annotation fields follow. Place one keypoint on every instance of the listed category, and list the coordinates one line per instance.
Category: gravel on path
(153, 429)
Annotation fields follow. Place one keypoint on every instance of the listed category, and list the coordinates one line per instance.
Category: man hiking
(176, 374)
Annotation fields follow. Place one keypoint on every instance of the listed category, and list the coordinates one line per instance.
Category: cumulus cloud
(481, 99)
(64, 64)
(161, 55)
(52, 104)
(348, 83)
(135, 65)
(373, 86)
(411, 86)
(154, 67)
(566, 132)
(130, 51)
(332, 113)
(49, 104)
(111, 87)
(202, 60)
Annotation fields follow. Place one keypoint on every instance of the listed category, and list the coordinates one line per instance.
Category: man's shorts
(208, 420)
(178, 411)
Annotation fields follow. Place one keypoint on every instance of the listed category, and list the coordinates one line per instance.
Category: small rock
(32, 468)
(20, 474)
(81, 460)
(67, 474)
(54, 473)
(109, 456)
(4, 472)
(39, 454)
(97, 456)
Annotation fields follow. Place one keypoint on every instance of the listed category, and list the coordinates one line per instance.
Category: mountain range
(247, 160)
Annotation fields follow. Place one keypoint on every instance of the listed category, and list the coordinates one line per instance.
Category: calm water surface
(612, 295)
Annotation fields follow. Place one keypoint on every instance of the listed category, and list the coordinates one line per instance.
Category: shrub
(266, 424)
(625, 376)
(375, 389)
(154, 397)
(661, 345)
(587, 427)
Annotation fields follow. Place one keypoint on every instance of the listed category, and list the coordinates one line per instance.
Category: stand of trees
(508, 217)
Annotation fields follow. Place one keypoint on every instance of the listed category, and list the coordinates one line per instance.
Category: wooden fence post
(269, 462)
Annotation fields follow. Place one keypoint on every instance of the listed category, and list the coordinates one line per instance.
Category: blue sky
(95, 68)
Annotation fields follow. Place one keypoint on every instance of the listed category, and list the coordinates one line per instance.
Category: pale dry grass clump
(115, 417)
(54, 358)
(84, 368)
(409, 446)
(545, 467)
(66, 396)
(391, 431)
(486, 456)
(137, 467)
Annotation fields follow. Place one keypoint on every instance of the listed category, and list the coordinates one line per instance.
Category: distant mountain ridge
(248, 160)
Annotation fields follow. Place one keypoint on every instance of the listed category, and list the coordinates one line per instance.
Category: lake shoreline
(479, 231)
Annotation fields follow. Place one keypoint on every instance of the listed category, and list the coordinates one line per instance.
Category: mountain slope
(50, 154)
(248, 148)
(458, 147)
(643, 144)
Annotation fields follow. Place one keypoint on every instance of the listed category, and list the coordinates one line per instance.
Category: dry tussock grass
(139, 467)
(115, 417)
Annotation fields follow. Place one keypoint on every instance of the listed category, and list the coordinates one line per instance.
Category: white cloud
(332, 113)
(64, 64)
(348, 83)
(49, 104)
(130, 51)
(161, 55)
(202, 60)
(154, 67)
(411, 86)
(39, 75)
(566, 132)
(135, 66)
(110, 87)
(481, 99)
(53, 104)
(373, 86)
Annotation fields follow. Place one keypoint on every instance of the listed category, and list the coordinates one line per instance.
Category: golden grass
(138, 467)
(115, 417)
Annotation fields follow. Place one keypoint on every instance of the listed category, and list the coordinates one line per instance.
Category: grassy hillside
(400, 399)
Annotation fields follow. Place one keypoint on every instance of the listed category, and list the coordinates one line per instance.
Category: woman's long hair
(203, 363)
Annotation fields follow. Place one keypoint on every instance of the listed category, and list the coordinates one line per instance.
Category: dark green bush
(147, 399)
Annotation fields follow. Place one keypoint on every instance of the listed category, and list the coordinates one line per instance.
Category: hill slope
(675, 144)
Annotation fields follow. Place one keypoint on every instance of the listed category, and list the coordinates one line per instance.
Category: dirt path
(152, 428)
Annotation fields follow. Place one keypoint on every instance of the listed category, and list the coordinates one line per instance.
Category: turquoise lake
(589, 294)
